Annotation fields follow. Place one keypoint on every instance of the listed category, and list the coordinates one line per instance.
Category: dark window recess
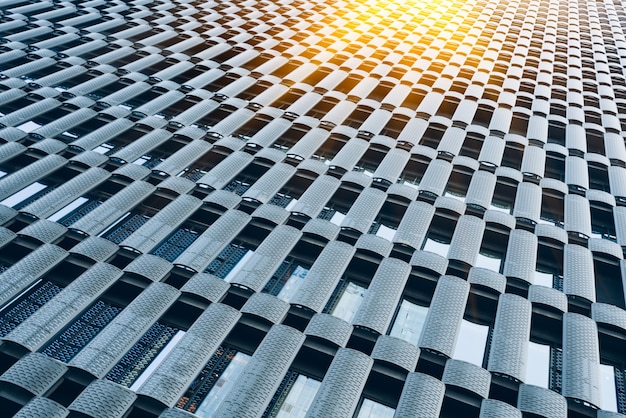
(252, 127)
(180, 106)
(519, 124)
(348, 84)
(609, 287)
(227, 259)
(286, 68)
(219, 114)
(255, 62)
(448, 107)
(76, 80)
(139, 357)
(620, 386)
(199, 48)
(221, 82)
(317, 76)
(144, 97)
(246, 178)
(79, 212)
(394, 127)
(380, 91)
(483, 115)
(207, 378)
(598, 177)
(602, 222)
(290, 137)
(414, 170)
(512, 156)
(109, 89)
(555, 166)
(16, 104)
(321, 108)
(175, 244)
(253, 91)
(340, 202)
(129, 224)
(357, 117)
(202, 166)
(81, 331)
(556, 369)
(552, 209)
(432, 136)
(330, 147)
(282, 275)
(287, 99)
(20, 310)
(370, 161)
(556, 133)
(472, 145)
(42, 72)
(280, 395)
(50, 186)
(190, 74)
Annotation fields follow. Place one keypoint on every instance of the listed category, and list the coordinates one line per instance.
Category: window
(409, 322)
(371, 409)
(489, 260)
(294, 396)
(230, 261)
(471, 343)
(348, 297)
(538, 365)
(436, 245)
(608, 392)
(30, 191)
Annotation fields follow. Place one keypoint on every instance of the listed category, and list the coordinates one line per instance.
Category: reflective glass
(299, 399)
(409, 322)
(470, 345)
(349, 302)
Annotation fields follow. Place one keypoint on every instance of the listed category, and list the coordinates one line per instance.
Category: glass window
(543, 279)
(67, 209)
(488, 261)
(157, 360)
(23, 194)
(349, 302)
(385, 232)
(371, 409)
(223, 385)
(299, 399)
(471, 342)
(436, 247)
(293, 284)
(538, 365)
(29, 126)
(608, 394)
(409, 322)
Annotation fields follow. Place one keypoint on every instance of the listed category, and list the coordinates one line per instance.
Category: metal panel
(396, 351)
(103, 399)
(31, 173)
(364, 210)
(581, 359)
(350, 154)
(487, 278)
(578, 272)
(607, 314)
(521, 255)
(422, 396)
(511, 334)
(206, 286)
(481, 188)
(270, 183)
(414, 224)
(228, 168)
(491, 408)
(341, 388)
(316, 196)
(172, 377)
(143, 145)
(467, 376)
(534, 161)
(577, 215)
(466, 240)
(576, 172)
(443, 320)
(42, 408)
(44, 231)
(382, 296)
(528, 201)
(263, 374)
(436, 177)
(183, 157)
(266, 306)
(329, 328)
(35, 372)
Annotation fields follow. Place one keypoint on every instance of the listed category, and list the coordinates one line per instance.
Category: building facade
(287, 208)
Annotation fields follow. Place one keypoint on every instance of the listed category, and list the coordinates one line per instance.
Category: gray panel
(316, 196)
(467, 376)
(223, 198)
(42, 408)
(576, 172)
(270, 132)
(133, 172)
(110, 345)
(142, 145)
(162, 224)
(324, 276)
(392, 165)
(183, 157)
(577, 215)
(206, 286)
(44, 231)
(209, 244)
(382, 296)
(403, 191)
(364, 210)
(309, 143)
(511, 333)
(578, 272)
(581, 359)
(521, 255)
(103, 399)
(34, 372)
(115, 207)
(263, 374)
(178, 185)
(268, 257)
(176, 413)
(491, 408)
(270, 183)
(528, 201)
(551, 231)
(266, 306)
(436, 177)
(95, 248)
(422, 396)
(9, 150)
(481, 188)
(29, 112)
(414, 224)
(6, 236)
(488, 278)
(149, 266)
(611, 315)
(172, 377)
(330, 328)
(23, 273)
(396, 351)
(467, 239)
(350, 154)
(228, 168)
(32, 172)
(66, 122)
(322, 228)
(67, 192)
(430, 261)
(534, 161)
(375, 244)
(617, 181)
(541, 402)
(341, 388)
(452, 141)
(443, 320)
(548, 296)
(51, 318)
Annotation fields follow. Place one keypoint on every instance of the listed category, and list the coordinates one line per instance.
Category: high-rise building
(330, 208)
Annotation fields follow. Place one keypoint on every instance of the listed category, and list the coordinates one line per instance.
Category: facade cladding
(324, 208)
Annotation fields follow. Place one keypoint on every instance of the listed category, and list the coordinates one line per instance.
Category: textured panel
(490, 408)
(224, 172)
(103, 399)
(23, 273)
(422, 396)
(149, 266)
(270, 183)
(608, 314)
(42, 408)
(391, 166)
(467, 376)
(511, 333)
(324, 276)
(316, 196)
(95, 248)
(578, 276)
(329, 328)
(206, 286)
(44, 231)
(266, 306)
(209, 244)
(541, 402)
(480, 189)
(170, 380)
(162, 224)
(34, 372)
(577, 215)
(488, 278)
(383, 294)
(436, 177)
(466, 240)
(581, 359)
(414, 224)
(183, 157)
(52, 317)
(430, 261)
(521, 255)
(374, 244)
(396, 351)
(263, 374)
(528, 202)
(548, 296)
(322, 228)
(341, 388)
(109, 346)
(33, 172)
(443, 320)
